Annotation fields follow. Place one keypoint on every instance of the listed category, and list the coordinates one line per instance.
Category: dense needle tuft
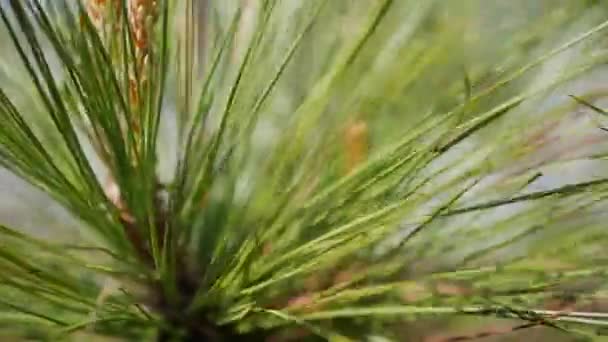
(305, 170)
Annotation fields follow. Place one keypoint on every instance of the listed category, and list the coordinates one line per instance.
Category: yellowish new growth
(99, 10)
(142, 15)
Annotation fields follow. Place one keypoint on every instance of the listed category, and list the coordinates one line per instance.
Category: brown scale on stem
(128, 221)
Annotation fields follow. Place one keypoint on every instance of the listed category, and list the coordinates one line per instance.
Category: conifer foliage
(282, 170)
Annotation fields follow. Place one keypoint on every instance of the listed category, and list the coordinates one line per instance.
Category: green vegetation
(304, 170)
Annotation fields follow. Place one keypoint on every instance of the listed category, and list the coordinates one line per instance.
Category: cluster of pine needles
(282, 170)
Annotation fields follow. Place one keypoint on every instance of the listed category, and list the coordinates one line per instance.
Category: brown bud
(356, 144)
